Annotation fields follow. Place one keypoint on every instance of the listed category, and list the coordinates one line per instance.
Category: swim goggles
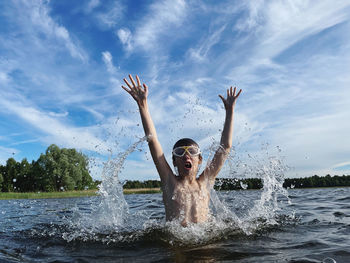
(191, 150)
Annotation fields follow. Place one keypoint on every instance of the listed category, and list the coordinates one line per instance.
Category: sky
(62, 64)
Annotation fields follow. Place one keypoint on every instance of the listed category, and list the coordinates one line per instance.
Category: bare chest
(190, 195)
(190, 202)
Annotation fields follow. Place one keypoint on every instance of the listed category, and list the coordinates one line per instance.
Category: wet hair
(185, 142)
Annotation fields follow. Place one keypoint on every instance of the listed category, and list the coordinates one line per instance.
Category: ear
(200, 159)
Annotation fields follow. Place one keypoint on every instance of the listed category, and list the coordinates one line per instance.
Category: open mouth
(188, 165)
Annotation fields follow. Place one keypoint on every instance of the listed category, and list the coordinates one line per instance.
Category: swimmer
(186, 197)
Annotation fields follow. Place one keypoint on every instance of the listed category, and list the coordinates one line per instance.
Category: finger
(132, 80)
(228, 93)
(127, 83)
(223, 99)
(145, 88)
(138, 81)
(234, 91)
(231, 91)
(239, 92)
(126, 89)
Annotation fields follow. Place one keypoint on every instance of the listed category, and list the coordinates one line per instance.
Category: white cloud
(112, 15)
(60, 114)
(342, 166)
(38, 64)
(253, 20)
(201, 52)
(95, 113)
(162, 17)
(54, 130)
(108, 60)
(316, 141)
(92, 5)
(24, 142)
(277, 96)
(115, 75)
(41, 19)
(4, 78)
(292, 100)
(125, 37)
(284, 23)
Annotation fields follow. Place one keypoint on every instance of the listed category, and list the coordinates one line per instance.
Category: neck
(189, 178)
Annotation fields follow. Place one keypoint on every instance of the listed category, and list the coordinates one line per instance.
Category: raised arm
(140, 93)
(222, 152)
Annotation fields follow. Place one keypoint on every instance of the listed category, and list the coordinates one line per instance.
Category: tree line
(66, 169)
(318, 181)
(141, 184)
(56, 170)
(256, 183)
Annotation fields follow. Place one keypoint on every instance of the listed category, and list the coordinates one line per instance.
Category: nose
(186, 155)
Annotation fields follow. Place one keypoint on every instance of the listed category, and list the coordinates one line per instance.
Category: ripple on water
(347, 198)
(299, 239)
(340, 214)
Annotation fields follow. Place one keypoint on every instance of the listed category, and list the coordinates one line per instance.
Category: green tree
(2, 170)
(63, 169)
(10, 175)
(23, 181)
(56, 170)
(77, 169)
(46, 166)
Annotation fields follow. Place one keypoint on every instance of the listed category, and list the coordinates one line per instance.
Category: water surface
(313, 226)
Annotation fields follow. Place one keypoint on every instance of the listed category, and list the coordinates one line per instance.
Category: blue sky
(62, 64)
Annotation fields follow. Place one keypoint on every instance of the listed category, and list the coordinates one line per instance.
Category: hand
(136, 91)
(230, 102)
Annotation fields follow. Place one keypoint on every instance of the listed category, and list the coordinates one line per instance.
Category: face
(189, 162)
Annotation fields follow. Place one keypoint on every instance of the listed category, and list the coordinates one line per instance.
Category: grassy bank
(142, 191)
(40, 195)
(69, 194)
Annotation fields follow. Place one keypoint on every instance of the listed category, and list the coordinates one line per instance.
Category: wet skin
(187, 199)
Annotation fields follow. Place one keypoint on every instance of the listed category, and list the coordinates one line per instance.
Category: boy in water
(186, 197)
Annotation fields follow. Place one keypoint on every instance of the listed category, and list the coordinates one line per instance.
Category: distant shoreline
(70, 194)
(86, 193)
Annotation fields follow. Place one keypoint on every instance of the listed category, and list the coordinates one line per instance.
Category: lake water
(303, 225)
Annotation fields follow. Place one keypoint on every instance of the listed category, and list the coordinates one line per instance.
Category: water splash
(109, 219)
(110, 214)
(251, 215)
